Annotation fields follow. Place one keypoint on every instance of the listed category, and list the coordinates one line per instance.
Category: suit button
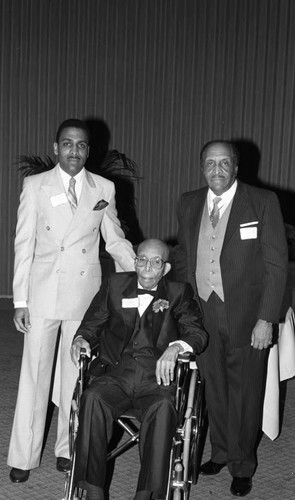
(94, 229)
(82, 273)
(62, 249)
(48, 228)
(83, 250)
(57, 271)
(117, 362)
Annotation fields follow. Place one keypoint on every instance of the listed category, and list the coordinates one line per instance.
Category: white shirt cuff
(186, 347)
(20, 303)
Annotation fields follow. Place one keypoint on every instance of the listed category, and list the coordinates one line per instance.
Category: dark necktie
(72, 197)
(214, 215)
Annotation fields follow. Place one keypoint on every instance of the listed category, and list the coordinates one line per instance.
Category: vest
(141, 341)
(208, 272)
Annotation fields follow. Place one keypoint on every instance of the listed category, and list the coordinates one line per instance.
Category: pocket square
(100, 205)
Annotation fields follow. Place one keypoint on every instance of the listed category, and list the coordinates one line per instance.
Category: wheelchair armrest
(184, 357)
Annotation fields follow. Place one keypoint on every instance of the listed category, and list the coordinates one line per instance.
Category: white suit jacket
(57, 269)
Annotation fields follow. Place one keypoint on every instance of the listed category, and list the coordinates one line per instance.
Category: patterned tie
(72, 197)
(214, 216)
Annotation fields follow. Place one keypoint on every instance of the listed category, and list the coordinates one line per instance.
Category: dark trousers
(234, 392)
(133, 385)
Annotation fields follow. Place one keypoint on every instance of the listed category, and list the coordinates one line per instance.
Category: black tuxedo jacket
(253, 270)
(111, 324)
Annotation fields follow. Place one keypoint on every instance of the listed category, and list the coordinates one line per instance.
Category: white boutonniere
(160, 305)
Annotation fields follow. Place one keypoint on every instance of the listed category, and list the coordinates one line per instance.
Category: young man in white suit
(57, 273)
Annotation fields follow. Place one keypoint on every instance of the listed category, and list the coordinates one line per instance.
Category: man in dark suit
(232, 249)
(143, 322)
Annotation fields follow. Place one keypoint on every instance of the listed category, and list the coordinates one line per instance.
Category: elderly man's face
(149, 276)
(72, 150)
(219, 168)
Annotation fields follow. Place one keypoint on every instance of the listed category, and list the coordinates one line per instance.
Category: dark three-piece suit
(129, 346)
(253, 263)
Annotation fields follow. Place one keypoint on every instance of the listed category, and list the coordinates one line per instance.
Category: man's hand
(166, 364)
(262, 335)
(76, 347)
(21, 319)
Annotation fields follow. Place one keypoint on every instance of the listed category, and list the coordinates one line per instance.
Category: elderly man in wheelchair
(142, 322)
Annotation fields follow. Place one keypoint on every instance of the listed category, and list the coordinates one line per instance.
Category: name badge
(59, 199)
(248, 233)
(128, 303)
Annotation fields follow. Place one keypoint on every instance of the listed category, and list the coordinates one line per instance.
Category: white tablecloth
(281, 366)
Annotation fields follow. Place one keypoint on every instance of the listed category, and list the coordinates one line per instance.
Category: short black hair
(73, 123)
(234, 151)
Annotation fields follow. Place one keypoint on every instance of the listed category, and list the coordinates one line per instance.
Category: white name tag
(248, 233)
(128, 303)
(59, 199)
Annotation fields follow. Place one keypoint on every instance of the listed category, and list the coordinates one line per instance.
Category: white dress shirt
(65, 177)
(226, 198)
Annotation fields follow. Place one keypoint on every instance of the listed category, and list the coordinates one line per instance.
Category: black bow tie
(141, 291)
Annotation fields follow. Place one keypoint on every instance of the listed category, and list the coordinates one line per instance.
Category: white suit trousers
(33, 392)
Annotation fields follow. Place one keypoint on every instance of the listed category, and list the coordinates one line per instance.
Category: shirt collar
(226, 197)
(66, 177)
(141, 287)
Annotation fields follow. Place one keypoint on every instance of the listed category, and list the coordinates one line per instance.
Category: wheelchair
(188, 441)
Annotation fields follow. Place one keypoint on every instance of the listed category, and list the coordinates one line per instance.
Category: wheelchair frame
(188, 442)
(187, 446)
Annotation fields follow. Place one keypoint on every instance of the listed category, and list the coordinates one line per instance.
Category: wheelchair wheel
(198, 433)
(186, 449)
(70, 491)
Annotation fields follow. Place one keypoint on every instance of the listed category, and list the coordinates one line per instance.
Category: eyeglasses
(155, 262)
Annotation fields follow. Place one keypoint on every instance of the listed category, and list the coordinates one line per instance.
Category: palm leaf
(117, 165)
(32, 164)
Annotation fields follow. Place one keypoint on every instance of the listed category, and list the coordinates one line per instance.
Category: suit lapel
(52, 187)
(195, 216)
(238, 209)
(130, 314)
(89, 196)
(158, 318)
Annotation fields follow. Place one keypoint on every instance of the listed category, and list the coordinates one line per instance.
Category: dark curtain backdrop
(165, 76)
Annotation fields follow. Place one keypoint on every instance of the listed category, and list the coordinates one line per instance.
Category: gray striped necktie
(214, 215)
(72, 197)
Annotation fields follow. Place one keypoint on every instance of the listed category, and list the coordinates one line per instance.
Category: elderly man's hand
(166, 364)
(76, 347)
(261, 335)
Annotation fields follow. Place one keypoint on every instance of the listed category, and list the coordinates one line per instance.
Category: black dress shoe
(19, 475)
(241, 486)
(63, 464)
(211, 468)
